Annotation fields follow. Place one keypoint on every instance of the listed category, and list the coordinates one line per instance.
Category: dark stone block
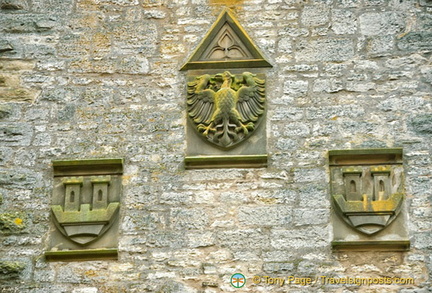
(422, 124)
(416, 41)
(13, 4)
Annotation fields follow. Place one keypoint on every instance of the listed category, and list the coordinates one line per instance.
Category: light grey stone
(315, 15)
(381, 23)
(344, 22)
(309, 175)
(379, 46)
(243, 239)
(265, 216)
(307, 216)
(296, 87)
(299, 239)
(183, 219)
(327, 85)
(324, 49)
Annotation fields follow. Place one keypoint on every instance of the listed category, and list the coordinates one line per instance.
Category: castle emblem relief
(81, 222)
(370, 201)
(225, 109)
(367, 195)
(85, 209)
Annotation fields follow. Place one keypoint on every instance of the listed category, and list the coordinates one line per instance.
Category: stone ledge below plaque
(365, 156)
(246, 161)
(80, 255)
(403, 245)
(88, 167)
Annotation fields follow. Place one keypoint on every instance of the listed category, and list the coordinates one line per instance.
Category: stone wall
(82, 79)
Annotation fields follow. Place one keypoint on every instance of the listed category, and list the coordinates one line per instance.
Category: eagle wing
(200, 100)
(251, 98)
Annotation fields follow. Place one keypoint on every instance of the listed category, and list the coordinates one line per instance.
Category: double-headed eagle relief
(225, 109)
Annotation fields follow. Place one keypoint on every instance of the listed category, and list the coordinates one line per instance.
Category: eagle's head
(227, 75)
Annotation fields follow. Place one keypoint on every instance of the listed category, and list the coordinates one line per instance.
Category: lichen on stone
(11, 223)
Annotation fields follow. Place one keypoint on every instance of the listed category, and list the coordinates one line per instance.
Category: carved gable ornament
(226, 99)
(226, 45)
(367, 193)
(85, 207)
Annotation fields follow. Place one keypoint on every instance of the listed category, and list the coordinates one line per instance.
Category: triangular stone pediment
(226, 45)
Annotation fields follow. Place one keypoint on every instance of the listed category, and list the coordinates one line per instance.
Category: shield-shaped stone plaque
(367, 194)
(225, 108)
(85, 206)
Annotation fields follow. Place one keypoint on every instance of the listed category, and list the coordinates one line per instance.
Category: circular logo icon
(238, 280)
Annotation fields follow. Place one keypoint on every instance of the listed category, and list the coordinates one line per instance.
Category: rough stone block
(306, 216)
(11, 88)
(379, 46)
(381, 23)
(344, 22)
(296, 88)
(416, 41)
(265, 216)
(332, 112)
(296, 129)
(243, 239)
(155, 13)
(42, 276)
(313, 196)
(426, 72)
(328, 85)
(284, 46)
(185, 219)
(422, 124)
(133, 65)
(309, 174)
(315, 15)
(16, 134)
(290, 114)
(201, 239)
(85, 290)
(130, 38)
(299, 239)
(325, 49)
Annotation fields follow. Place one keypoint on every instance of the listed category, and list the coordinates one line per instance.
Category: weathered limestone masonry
(91, 79)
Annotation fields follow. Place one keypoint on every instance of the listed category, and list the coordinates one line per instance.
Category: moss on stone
(10, 269)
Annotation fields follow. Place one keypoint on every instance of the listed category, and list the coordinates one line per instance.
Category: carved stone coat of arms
(225, 109)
